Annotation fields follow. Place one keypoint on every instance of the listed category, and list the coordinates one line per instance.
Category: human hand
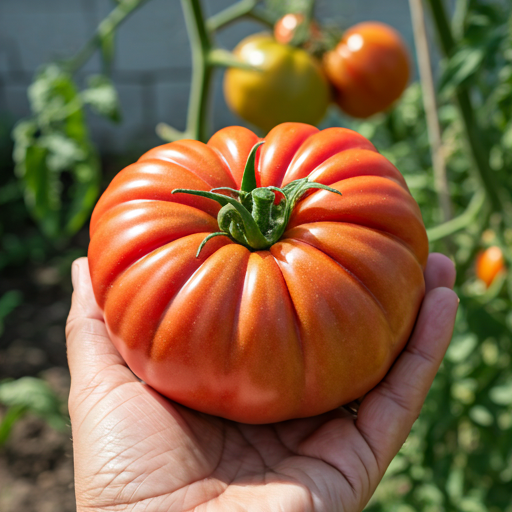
(136, 450)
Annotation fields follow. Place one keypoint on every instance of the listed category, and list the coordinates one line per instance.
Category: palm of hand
(136, 450)
(132, 454)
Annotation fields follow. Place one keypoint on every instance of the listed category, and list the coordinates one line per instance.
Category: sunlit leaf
(102, 96)
(461, 347)
(502, 394)
(461, 67)
(33, 395)
(481, 416)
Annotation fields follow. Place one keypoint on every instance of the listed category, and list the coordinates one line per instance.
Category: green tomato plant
(459, 454)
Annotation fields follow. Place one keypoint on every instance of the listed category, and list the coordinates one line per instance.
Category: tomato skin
(489, 264)
(290, 86)
(369, 69)
(312, 323)
(285, 27)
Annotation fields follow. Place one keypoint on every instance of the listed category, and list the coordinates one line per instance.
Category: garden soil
(36, 464)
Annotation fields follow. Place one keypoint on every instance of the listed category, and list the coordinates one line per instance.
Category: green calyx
(250, 216)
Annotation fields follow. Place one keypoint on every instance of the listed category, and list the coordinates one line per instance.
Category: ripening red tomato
(302, 300)
(369, 68)
(489, 264)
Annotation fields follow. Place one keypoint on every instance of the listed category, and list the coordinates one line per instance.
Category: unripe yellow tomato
(289, 84)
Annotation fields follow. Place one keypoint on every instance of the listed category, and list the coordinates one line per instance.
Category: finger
(440, 271)
(388, 412)
(90, 350)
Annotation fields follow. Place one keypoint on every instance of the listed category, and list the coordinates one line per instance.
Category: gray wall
(152, 64)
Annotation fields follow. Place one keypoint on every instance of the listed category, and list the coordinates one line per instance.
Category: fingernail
(75, 274)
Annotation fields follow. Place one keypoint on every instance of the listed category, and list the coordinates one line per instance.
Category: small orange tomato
(285, 28)
(489, 264)
(369, 69)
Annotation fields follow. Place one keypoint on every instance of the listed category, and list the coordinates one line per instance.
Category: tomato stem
(262, 201)
(252, 219)
(209, 237)
(241, 9)
(249, 176)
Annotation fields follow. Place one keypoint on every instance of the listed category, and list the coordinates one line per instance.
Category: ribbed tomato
(310, 320)
(369, 68)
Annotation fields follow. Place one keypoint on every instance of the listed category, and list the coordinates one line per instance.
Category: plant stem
(105, 28)
(241, 9)
(205, 58)
(230, 14)
(460, 222)
(166, 132)
(201, 46)
(477, 148)
(429, 102)
(263, 16)
(224, 58)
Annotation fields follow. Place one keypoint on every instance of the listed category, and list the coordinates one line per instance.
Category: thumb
(91, 353)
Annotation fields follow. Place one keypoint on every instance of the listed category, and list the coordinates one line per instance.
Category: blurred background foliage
(459, 454)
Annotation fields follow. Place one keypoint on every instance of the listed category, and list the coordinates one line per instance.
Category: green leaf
(41, 194)
(455, 483)
(33, 395)
(481, 416)
(55, 99)
(63, 152)
(107, 46)
(461, 347)
(24, 133)
(12, 415)
(502, 394)
(9, 301)
(10, 192)
(85, 191)
(461, 67)
(102, 96)
(249, 176)
(56, 141)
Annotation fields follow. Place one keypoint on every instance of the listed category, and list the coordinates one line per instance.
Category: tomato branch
(462, 221)
(205, 58)
(105, 29)
(241, 9)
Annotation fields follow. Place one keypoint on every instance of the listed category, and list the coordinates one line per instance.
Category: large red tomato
(306, 322)
(369, 68)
